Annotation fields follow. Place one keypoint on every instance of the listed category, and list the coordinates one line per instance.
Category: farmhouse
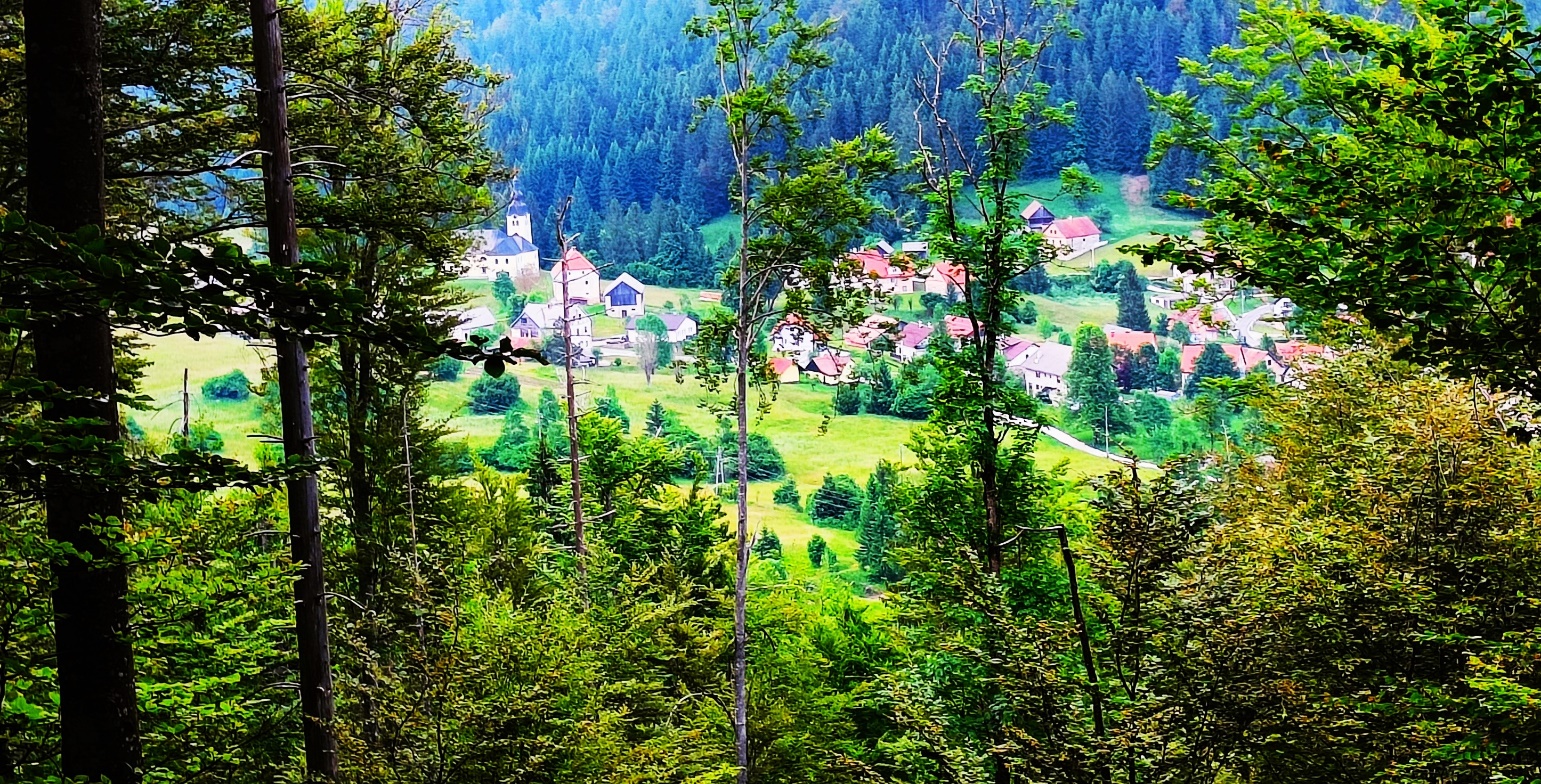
(946, 278)
(874, 327)
(888, 273)
(792, 335)
(1014, 352)
(1072, 237)
(1043, 370)
(582, 279)
(910, 343)
(471, 321)
(680, 328)
(1130, 340)
(784, 370)
(1205, 323)
(958, 327)
(624, 298)
(1037, 216)
(542, 320)
(1245, 357)
(830, 368)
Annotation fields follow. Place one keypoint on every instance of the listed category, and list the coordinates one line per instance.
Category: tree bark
(98, 704)
(316, 698)
(741, 409)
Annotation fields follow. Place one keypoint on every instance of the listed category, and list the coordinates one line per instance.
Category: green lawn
(1132, 212)
(720, 230)
(203, 359)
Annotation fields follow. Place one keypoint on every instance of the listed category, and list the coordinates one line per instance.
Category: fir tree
(878, 527)
(1132, 313)
(1092, 387)
(1213, 362)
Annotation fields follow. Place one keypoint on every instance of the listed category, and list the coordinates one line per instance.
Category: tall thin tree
(315, 665)
(799, 208)
(574, 456)
(98, 706)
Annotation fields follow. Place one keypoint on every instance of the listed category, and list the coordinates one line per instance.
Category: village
(911, 293)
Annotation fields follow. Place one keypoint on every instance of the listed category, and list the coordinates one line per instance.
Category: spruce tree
(1132, 313)
(1213, 362)
(1092, 394)
(878, 527)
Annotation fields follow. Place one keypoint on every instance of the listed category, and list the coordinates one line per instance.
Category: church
(511, 250)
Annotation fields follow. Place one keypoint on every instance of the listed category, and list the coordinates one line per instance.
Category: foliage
(878, 527)
(231, 386)
(610, 406)
(847, 400)
(786, 493)
(493, 395)
(445, 369)
(836, 503)
(1213, 362)
(1092, 388)
(767, 545)
(201, 437)
(1132, 313)
(817, 548)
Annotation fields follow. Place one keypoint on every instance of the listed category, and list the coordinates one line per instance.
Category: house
(784, 370)
(1037, 216)
(830, 368)
(887, 273)
(623, 298)
(542, 320)
(471, 322)
(1165, 298)
(1213, 286)
(958, 327)
(1205, 323)
(513, 251)
(581, 278)
(910, 343)
(1043, 370)
(917, 249)
(945, 278)
(1299, 358)
(1245, 357)
(874, 327)
(679, 326)
(792, 335)
(1072, 237)
(1015, 351)
(1130, 340)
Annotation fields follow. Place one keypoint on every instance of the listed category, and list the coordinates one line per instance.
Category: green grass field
(1125, 197)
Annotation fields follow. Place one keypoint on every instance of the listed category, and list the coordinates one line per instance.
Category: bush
(445, 369)
(490, 395)
(817, 547)
(231, 386)
(765, 462)
(201, 437)
(837, 502)
(847, 400)
(787, 494)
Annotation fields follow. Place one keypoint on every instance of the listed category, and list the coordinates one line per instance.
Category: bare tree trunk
(1087, 661)
(574, 457)
(316, 698)
(98, 705)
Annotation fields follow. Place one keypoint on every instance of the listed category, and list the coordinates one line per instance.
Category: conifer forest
(770, 392)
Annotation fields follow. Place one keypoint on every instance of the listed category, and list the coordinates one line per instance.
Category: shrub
(201, 437)
(445, 369)
(231, 386)
(817, 547)
(787, 494)
(490, 395)
(847, 400)
(837, 502)
(765, 462)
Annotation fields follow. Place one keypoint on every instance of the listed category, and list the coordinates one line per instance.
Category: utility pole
(98, 702)
(574, 458)
(316, 698)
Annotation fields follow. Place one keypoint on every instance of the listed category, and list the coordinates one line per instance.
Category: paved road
(1246, 321)
(1077, 444)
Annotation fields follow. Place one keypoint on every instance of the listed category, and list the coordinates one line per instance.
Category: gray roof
(511, 246)
(516, 205)
(1051, 359)
(672, 321)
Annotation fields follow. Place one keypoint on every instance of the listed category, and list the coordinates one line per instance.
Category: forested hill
(600, 102)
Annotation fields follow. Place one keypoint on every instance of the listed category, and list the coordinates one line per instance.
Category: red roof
(952, 272)
(914, 335)
(876, 265)
(1130, 340)
(1013, 347)
(1292, 350)
(1245, 357)
(576, 261)
(828, 364)
(780, 365)
(1205, 317)
(958, 326)
(1074, 228)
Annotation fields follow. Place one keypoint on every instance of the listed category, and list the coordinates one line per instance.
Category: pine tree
(1213, 362)
(1092, 387)
(881, 390)
(1132, 313)
(878, 527)
(657, 420)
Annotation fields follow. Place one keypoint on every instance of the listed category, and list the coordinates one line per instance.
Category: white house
(542, 320)
(680, 328)
(946, 278)
(512, 251)
(1015, 351)
(624, 298)
(471, 321)
(1037, 216)
(884, 272)
(1072, 237)
(910, 344)
(793, 337)
(830, 368)
(581, 277)
(1043, 370)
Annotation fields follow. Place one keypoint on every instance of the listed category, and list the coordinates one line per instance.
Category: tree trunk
(316, 699)
(1092, 685)
(98, 705)
(741, 582)
(574, 457)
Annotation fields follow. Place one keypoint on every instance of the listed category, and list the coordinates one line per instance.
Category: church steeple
(518, 215)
